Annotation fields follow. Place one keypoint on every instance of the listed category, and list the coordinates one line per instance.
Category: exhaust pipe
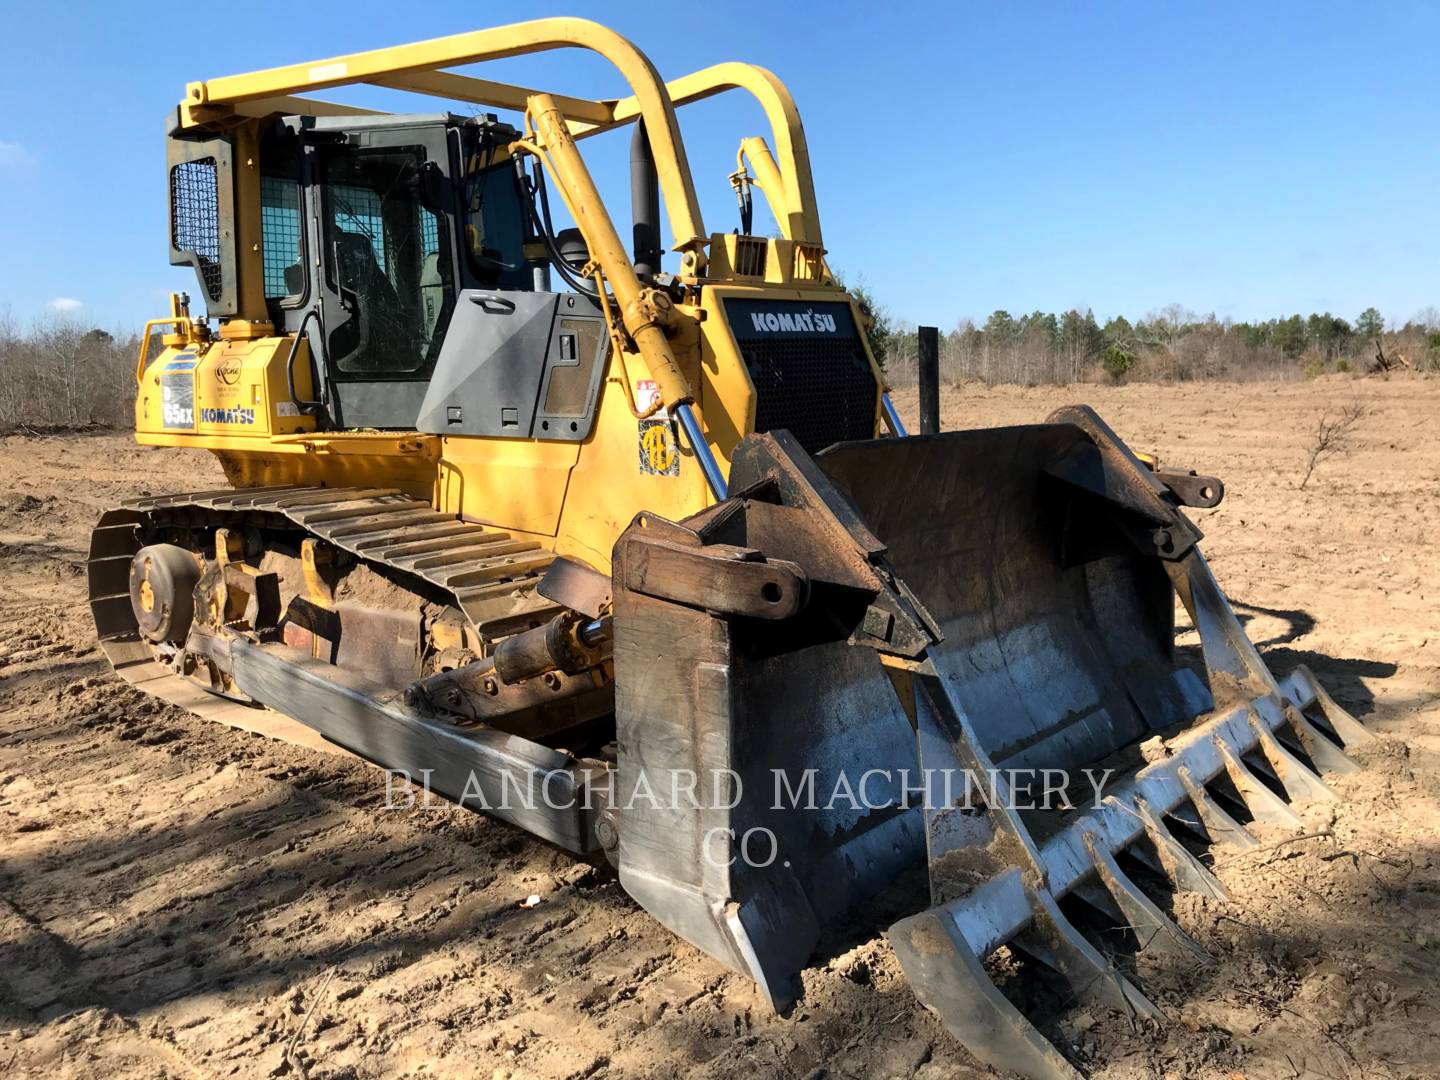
(644, 203)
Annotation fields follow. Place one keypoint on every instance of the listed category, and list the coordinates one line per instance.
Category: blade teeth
(1153, 928)
(1325, 754)
(1186, 872)
(950, 979)
(1348, 730)
(1092, 978)
(1261, 801)
(1097, 896)
(1223, 828)
(1300, 784)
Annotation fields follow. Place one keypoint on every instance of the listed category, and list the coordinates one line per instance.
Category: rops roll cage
(421, 68)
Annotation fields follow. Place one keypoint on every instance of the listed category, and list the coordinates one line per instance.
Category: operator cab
(371, 229)
(412, 255)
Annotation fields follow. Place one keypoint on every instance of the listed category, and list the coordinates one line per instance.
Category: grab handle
(309, 408)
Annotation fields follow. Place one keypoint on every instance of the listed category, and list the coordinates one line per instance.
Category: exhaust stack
(645, 203)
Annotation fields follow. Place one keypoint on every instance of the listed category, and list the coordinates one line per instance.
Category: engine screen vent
(750, 252)
(809, 367)
(195, 219)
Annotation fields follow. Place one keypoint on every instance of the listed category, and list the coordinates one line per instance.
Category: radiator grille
(809, 262)
(750, 252)
(820, 389)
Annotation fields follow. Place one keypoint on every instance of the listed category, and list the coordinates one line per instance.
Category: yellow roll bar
(416, 67)
(419, 68)
(794, 204)
(182, 331)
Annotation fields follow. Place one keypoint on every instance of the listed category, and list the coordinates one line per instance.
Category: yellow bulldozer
(627, 546)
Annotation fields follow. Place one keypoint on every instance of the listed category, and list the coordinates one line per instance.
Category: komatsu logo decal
(805, 322)
(796, 320)
(227, 416)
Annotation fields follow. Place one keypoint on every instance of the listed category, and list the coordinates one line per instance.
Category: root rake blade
(1018, 644)
(957, 608)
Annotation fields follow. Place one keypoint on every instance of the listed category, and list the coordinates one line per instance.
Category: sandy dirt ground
(180, 899)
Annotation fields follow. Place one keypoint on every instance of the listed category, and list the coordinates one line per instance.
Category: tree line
(61, 373)
(1172, 344)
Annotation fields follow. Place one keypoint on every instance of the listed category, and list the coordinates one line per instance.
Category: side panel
(518, 365)
(627, 465)
(235, 388)
(513, 484)
(577, 496)
(392, 404)
(487, 379)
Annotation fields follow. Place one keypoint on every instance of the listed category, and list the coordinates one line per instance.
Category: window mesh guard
(279, 233)
(195, 218)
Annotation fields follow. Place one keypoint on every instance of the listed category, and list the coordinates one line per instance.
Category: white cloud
(13, 154)
(65, 303)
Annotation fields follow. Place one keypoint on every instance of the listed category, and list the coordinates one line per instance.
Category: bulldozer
(627, 546)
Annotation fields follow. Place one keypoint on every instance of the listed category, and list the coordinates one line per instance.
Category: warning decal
(659, 448)
(648, 394)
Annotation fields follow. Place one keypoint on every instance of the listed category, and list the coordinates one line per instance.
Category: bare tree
(12, 386)
(63, 373)
(1332, 436)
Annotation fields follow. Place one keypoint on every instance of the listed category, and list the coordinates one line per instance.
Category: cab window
(495, 228)
(281, 244)
(388, 258)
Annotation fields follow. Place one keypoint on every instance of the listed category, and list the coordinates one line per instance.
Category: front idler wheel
(162, 592)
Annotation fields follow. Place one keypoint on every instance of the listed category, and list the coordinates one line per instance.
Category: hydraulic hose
(897, 428)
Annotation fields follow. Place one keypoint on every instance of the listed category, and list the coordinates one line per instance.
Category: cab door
(382, 214)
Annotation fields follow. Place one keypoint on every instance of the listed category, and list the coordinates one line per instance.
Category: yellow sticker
(659, 449)
(324, 72)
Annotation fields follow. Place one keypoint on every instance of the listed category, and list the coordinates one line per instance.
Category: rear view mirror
(436, 192)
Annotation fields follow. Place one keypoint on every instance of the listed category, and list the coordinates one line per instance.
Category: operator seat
(382, 339)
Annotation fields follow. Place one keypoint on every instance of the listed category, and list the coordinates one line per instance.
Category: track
(488, 574)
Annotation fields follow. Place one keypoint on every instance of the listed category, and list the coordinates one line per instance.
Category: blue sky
(1248, 159)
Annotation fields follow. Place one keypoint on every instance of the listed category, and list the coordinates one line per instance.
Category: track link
(488, 574)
